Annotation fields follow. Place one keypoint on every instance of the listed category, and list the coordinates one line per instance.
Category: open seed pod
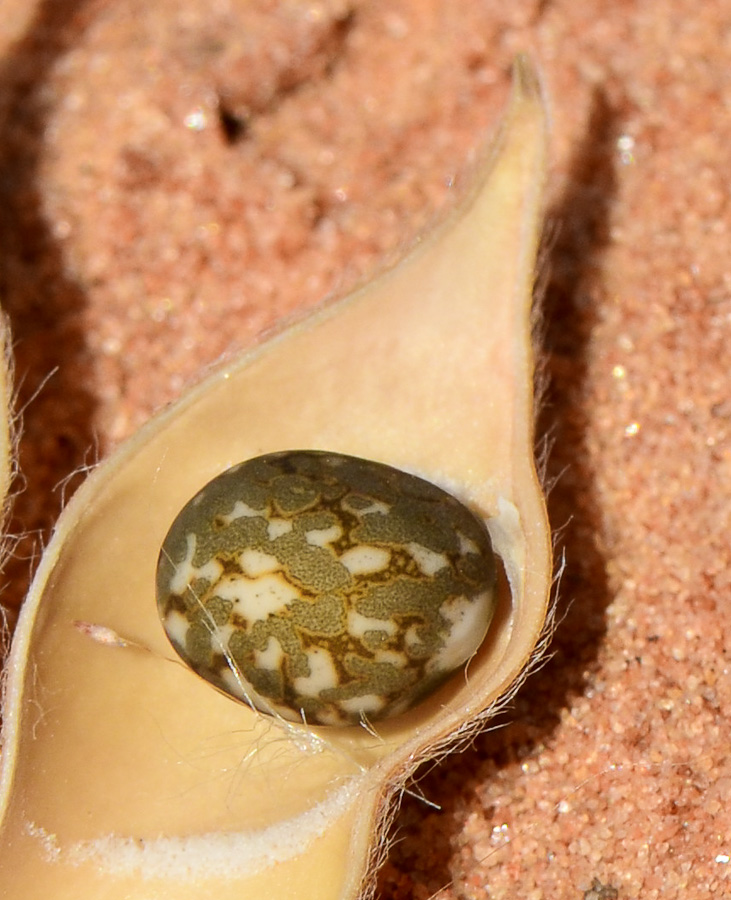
(124, 774)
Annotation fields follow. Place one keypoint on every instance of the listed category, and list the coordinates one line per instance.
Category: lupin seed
(323, 588)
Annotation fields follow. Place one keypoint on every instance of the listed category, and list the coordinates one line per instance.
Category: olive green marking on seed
(256, 566)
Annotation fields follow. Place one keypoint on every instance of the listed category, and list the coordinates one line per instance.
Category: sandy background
(176, 176)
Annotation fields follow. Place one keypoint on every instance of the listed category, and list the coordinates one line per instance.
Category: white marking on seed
(242, 510)
(467, 621)
(269, 594)
(363, 559)
(255, 563)
(186, 573)
(376, 507)
(277, 527)
(427, 560)
(176, 626)
(323, 674)
(270, 657)
(221, 635)
(412, 639)
(365, 703)
(321, 537)
(358, 625)
(466, 545)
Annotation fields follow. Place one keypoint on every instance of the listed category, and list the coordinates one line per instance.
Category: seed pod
(122, 773)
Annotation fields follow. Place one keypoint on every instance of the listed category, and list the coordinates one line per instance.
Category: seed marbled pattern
(325, 588)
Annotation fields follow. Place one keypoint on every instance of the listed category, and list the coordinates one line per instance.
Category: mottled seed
(324, 588)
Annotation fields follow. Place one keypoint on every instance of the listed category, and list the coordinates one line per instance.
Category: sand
(178, 176)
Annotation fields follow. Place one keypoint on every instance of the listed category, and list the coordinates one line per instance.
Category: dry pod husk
(126, 776)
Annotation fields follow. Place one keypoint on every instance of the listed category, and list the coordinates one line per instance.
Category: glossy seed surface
(325, 588)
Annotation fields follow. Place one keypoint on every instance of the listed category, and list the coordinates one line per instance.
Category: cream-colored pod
(124, 775)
